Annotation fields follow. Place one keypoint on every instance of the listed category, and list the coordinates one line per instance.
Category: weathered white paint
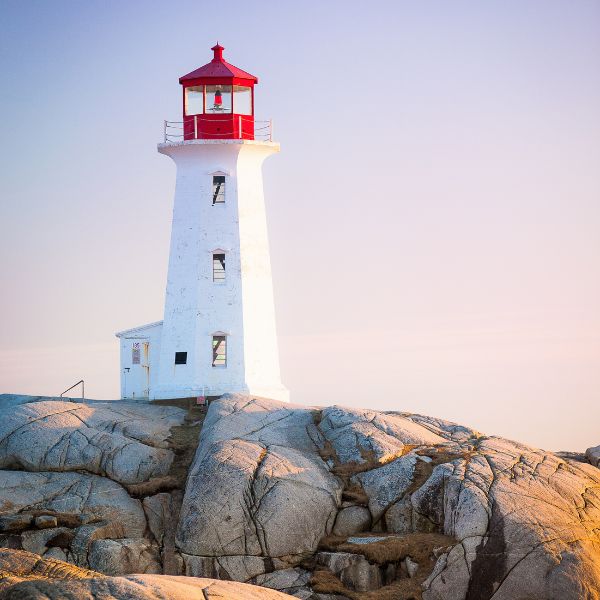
(195, 306)
(138, 380)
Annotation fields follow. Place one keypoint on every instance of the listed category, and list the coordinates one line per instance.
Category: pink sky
(434, 214)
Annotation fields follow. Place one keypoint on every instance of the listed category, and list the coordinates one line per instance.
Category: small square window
(218, 189)
(219, 268)
(180, 358)
(219, 345)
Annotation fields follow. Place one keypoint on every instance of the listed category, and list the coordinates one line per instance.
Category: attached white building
(218, 333)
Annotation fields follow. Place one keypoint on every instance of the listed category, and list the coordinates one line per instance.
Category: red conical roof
(217, 68)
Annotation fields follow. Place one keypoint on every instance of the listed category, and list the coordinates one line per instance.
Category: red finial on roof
(217, 68)
(218, 51)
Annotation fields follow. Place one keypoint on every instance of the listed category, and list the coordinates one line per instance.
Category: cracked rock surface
(25, 576)
(355, 433)
(79, 481)
(320, 503)
(527, 522)
(123, 441)
(87, 498)
(269, 480)
(257, 486)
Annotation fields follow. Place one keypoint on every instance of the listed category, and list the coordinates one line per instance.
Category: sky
(434, 212)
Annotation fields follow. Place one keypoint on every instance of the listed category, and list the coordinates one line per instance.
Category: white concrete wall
(195, 306)
(258, 309)
(141, 378)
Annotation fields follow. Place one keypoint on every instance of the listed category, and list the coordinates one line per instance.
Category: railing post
(195, 127)
(74, 386)
(240, 126)
(165, 132)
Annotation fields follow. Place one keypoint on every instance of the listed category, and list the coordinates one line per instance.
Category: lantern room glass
(194, 100)
(218, 99)
(242, 100)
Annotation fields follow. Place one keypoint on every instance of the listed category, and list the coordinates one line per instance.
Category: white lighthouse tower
(218, 333)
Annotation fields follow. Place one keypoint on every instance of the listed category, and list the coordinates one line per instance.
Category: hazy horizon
(434, 213)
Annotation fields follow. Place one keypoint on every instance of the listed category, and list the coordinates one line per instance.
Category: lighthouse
(218, 331)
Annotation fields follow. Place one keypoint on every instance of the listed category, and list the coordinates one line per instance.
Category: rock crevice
(323, 504)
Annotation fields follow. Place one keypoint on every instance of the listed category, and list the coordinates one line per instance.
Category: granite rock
(351, 520)
(387, 484)
(262, 486)
(526, 522)
(593, 455)
(26, 576)
(124, 556)
(353, 570)
(356, 434)
(125, 442)
(76, 494)
(269, 481)
(523, 522)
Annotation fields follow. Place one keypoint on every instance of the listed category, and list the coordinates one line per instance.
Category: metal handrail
(75, 385)
(174, 131)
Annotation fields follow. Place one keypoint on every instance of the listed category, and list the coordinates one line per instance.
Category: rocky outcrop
(86, 507)
(507, 520)
(295, 582)
(593, 455)
(126, 442)
(25, 576)
(85, 488)
(8, 401)
(526, 522)
(123, 556)
(73, 499)
(265, 493)
(322, 504)
(362, 435)
(354, 570)
(352, 519)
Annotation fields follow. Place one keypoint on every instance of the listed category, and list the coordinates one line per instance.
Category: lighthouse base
(274, 393)
(140, 367)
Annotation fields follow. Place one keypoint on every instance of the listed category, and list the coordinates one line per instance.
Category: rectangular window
(180, 358)
(219, 268)
(135, 353)
(218, 189)
(219, 345)
(194, 100)
(218, 99)
(242, 100)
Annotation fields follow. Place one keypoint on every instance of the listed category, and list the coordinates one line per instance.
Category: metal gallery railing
(234, 127)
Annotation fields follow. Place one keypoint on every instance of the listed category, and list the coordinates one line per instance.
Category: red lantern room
(218, 101)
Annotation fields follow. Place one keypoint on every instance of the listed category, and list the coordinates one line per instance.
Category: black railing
(75, 385)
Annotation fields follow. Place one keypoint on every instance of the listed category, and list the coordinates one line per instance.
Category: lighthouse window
(135, 353)
(218, 100)
(180, 358)
(219, 345)
(194, 100)
(242, 100)
(218, 268)
(218, 189)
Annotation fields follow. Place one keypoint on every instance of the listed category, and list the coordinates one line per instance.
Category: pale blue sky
(434, 213)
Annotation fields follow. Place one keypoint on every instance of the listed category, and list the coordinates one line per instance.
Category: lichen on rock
(322, 504)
